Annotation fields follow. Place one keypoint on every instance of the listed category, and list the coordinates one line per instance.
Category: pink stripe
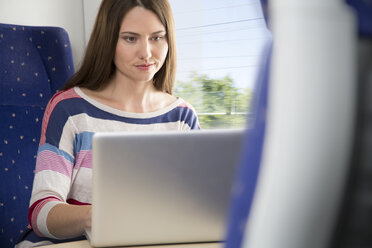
(186, 105)
(76, 202)
(84, 159)
(63, 95)
(48, 160)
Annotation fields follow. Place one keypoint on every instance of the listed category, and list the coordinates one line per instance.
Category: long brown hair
(98, 66)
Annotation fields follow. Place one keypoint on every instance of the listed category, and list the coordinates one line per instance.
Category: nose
(144, 51)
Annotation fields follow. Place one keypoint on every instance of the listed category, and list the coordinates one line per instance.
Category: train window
(219, 44)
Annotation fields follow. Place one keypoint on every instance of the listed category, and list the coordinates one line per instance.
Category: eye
(158, 38)
(130, 39)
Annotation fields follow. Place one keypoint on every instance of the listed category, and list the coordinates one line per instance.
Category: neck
(131, 96)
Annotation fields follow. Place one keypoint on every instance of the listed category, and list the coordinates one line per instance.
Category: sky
(219, 38)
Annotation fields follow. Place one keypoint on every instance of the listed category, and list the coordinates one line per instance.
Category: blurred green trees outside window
(217, 101)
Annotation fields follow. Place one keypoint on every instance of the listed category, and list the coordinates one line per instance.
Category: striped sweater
(64, 160)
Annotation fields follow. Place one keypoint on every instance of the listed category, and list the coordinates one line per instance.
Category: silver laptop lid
(162, 187)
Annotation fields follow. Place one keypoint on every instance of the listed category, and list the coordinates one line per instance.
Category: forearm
(67, 221)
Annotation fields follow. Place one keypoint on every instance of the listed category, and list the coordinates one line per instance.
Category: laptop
(162, 187)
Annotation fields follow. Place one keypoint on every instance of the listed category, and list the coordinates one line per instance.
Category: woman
(124, 84)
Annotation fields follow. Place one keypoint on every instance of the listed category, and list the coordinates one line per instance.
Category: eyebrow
(135, 34)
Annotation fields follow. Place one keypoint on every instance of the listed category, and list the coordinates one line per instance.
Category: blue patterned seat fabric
(35, 62)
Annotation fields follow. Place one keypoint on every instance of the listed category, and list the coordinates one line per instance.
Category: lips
(145, 67)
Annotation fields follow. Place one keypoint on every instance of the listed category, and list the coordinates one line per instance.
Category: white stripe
(87, 123)
(82, 185)
(49, 183)
(118, 112)
(42, 218)
(67, 137)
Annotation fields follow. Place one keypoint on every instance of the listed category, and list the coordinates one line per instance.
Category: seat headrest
(35, 62)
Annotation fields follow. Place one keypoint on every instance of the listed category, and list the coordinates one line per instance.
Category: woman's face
(142, 46)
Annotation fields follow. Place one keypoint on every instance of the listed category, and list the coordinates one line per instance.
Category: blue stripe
(51, 148)
(83, 142)
(75, 106)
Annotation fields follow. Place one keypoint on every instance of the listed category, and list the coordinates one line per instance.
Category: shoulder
(185, 105)
(57, 113)
(60, 106)
(62, 101)
(63, 96)
(188, 113)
